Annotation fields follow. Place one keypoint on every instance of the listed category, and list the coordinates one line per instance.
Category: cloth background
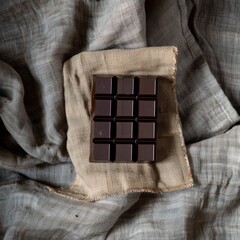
(36, 37)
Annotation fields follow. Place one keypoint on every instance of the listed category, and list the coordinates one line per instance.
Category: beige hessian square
(95, 181)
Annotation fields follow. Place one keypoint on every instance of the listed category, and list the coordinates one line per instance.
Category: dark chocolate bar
(124, 119)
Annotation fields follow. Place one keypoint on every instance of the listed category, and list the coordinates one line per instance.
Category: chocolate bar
(124, 119)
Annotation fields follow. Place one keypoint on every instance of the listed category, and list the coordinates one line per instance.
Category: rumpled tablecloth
(37, 37)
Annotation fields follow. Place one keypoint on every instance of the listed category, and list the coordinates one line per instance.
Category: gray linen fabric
(204, 108)
(36, 37)
(218, 37)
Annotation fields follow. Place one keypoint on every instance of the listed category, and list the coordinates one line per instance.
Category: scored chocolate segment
(124, 130)
(148, 86)
(146, 152)
(102, 129)
(103, 85)
(125, 86)
(125, 108)
(146, 130)
(123, 152)
(103, 108)
(147, 108)
(102, 152)
(124, 119)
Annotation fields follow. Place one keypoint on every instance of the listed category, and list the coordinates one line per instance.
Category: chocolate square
(125, 108)
(146, 130)
(103, 107)
(147, 86)
(123, 152)
(125, 86)
(102, 152)
(146, 152)
(124, 130)
(102, 129)
(103, 85)
(147, 108)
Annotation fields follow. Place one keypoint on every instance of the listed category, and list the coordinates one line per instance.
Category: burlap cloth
(98, 180)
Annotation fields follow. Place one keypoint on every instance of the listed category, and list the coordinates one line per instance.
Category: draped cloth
(37, 37)
(170, 171)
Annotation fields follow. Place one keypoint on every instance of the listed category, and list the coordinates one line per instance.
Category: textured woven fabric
(171, 169)
(218, 37)
(204, 108)
(36, 37)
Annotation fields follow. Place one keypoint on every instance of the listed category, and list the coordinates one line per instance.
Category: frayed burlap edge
(68, 192)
